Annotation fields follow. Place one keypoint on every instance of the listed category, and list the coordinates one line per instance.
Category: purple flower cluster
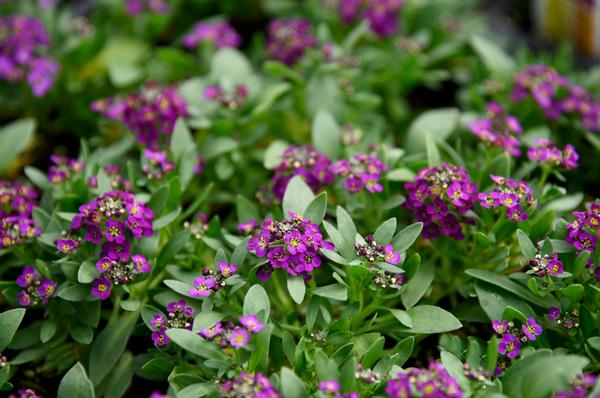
(116, 180)
(212, 281)
(156, 164)
(198, 226)
(433, 381)
(374, 252)
(545, 151)
(331, 388)
(381, 15)
(247, 385)
(248, 227)
(567, 320)
(134, 8)
(288, 39)
(24, 43)
(512, 337)
(179, 316)
(314, 167)
(546, 265)
(232, 100)
(292, 244)
(498, 129)
(363, 171)
(63, 168)
(440, 196)
(113, 219)
(16, 205)
(514, 195)
(583, 232)
(150, 113)
(26, 393)
(581, 387)
(36, 290)
(556, 95)
(117, 272)
(231, 335)
(220, 33)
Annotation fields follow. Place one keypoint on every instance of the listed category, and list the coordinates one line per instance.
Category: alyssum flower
(288, 39)
(179, 316)
(512, 336)
(220, 33)
(498, 129)
(440, 196)
(232, 335)
(314, 167)
(583, 232)
(36, 290)
(16, 205)
(292, 244)
(381, 15)
(548, 264)
(212, 281)
(117, 272)
(362, 171)
(545, 151)
(63, 168)
(433, 381)
(567, 320)
(247, 385)
(514, 195)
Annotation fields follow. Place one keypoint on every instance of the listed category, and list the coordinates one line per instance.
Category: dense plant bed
(346, 199)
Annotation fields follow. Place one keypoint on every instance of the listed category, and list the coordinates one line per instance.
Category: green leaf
(122, 375)
(181, 140)
(333, 291)
(180, 287)
(494, 301)
(297, 197)
(246, 210)
(14, 139)
(438, 123)
(75, 384)
(403, 351)
(345, 226)
(594, 342)
(402, 174)
(505, 283)
(417, 285)
(81, 333)
(493, 57)
(230, 65)
(109, 345)
(316, 209)
(384, 233)
(9, 323)
(257, 302)
(274, 153)
(574, 292)
(402, 317)
(527, 247)
(565, 203)
(428, 319)
(269, 96)
(297, 288)
(48, 330)
(522, 380)
(206, 320)
(37, 177)
(87, 272)
(195, 344)
(173, 246)
(291, 385)
(405, 238)
(433, 153)
(326, 136)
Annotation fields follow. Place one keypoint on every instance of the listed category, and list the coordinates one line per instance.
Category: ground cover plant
(293, 199)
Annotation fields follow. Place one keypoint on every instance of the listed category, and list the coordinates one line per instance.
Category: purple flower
(140, 264)
(531, 329)
(295, 243)
(213, 331)
(251, 323)
(115, 231)
(47, 289)
(101, 288)
(239, 337)
(545, 151)
(150, 113)
(500, 326)
(329, 386)
(116, 251)
(553, 313)
(227, 269)
(104, 264)
(23, 298)
(509, 346)
(428, 382)
(158, 321)
(361, 171)
(247, 227)
(314, 167)
(135, 7)
(288, 39)
(220, 33)
(28, 276)
(160, 338)
(498, 129)
(239, 387)
(390, 255)
(202, 287)
(381, 15)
